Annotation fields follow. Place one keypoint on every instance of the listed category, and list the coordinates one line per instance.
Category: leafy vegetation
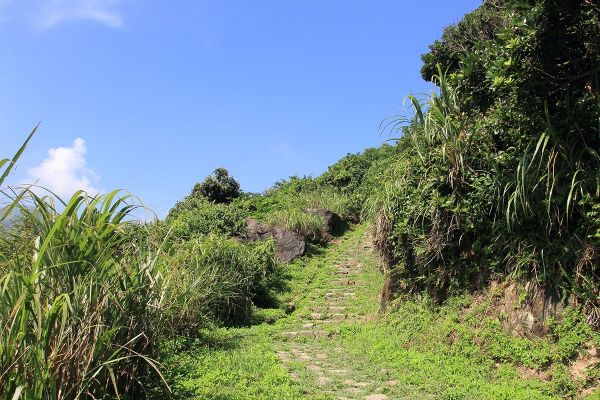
(419, 349)
(216, 281)
(493, 177)
(76, 313)
(311, 227)
(218, 187)
(498, 170)
(88, 295)
(197, 216)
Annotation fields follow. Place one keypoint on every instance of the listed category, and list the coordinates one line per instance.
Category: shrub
(218, 187)
(214, 279)
(497, 172)
(332, 200)
(283, 195)
(347, 173)
(351, 173)
(198, 216)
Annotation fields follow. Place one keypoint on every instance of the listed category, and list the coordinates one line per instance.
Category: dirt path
(343, 294)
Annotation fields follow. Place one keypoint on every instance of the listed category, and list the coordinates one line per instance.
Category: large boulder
(288, 244)
(334, 222)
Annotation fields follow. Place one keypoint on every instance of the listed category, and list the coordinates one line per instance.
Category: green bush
(214, 279)
(283, 204)
(497, 172)
(354, 178)
(218, 187)
(351, 173)
(198, 216)
(284, 195)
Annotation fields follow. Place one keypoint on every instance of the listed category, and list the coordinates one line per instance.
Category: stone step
(351, 382)
(324, 309)
(338, 371)
(308, 334)
(323, 321)
(342, 300)
(344, 282)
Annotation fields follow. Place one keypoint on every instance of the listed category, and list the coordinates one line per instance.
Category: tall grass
(78, 300)
(77, 308)
(87, 295)
(329, 199)
(312, 227)
(6, 166)
(214, 280)
(439, 129)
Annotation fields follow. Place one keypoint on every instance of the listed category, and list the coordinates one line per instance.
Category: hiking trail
(341, 293)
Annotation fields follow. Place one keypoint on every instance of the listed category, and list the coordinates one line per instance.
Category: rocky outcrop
(334, 222)
(288, 244)
(528, 309)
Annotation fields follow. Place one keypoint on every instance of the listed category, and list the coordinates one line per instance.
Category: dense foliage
(219, 187)
(217, 281)
(357, 176)
(88, 295)
(77, 312)
(197, 216)
(498, 172)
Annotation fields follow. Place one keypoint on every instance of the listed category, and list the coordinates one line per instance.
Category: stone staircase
(330, 306)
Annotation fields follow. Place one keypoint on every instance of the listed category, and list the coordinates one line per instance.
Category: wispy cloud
(65, 170)
(47, 14)
(54, 12)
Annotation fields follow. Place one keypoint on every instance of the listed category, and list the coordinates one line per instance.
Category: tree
(218, 187)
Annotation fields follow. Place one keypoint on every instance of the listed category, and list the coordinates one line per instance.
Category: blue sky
(152, 95)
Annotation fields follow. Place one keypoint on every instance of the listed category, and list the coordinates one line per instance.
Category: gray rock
(288, 244)
(528, 309)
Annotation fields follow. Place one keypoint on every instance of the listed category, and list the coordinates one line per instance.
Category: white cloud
(64, 171)
(54, 12)
(50, 13)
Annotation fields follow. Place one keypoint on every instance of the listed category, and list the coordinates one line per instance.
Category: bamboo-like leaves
(8, 165)
(75, 315)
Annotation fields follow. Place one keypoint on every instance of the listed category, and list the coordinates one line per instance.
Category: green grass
(311, 227)
(417, 350)
(230, 364)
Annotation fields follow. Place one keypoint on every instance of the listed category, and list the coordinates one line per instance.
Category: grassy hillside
(492, 181)
(336, 344)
